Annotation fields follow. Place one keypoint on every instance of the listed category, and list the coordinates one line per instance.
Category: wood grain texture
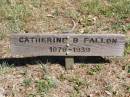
(28, 44)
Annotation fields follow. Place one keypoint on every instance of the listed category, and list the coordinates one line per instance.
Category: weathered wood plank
(29, 44)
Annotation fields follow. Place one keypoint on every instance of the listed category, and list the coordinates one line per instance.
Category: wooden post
(67, 45)
(69, 61)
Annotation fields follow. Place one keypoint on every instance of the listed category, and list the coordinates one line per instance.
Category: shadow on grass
(53, 60)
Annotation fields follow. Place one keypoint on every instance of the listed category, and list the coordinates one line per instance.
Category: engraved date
(73, 49)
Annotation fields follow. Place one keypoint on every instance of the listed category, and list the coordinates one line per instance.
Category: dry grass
(58, 16)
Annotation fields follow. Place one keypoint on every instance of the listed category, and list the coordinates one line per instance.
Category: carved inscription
(57, 40)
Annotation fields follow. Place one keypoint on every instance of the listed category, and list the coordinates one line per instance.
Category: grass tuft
(5, 67)
(27, 82)
(95, 70)
(44, 85)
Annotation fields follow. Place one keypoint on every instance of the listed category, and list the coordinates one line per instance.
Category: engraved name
(59, 40)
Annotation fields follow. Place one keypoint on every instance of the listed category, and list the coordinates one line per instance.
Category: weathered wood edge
(111, 34)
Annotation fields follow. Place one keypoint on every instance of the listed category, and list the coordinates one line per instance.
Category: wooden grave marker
(68, 45)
